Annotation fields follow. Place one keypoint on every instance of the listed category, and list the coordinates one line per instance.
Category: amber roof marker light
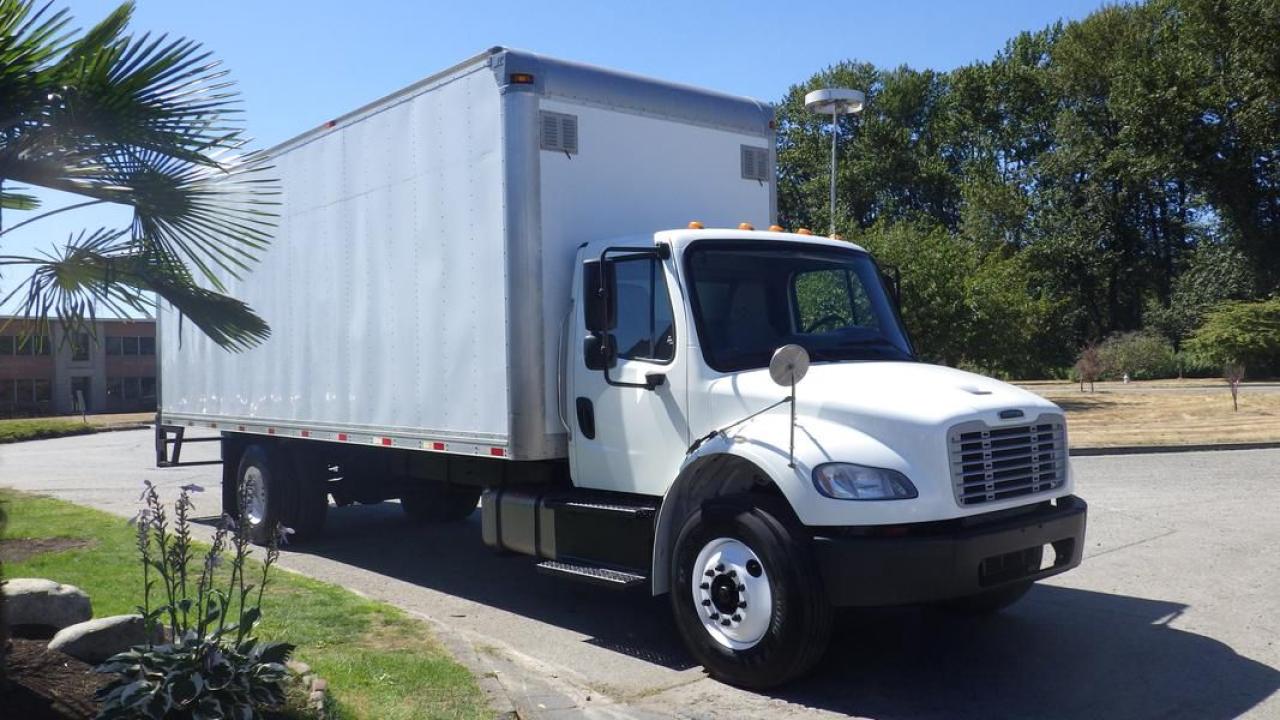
(835, 102)
(521, 78)
(695, 225)
(746, 226)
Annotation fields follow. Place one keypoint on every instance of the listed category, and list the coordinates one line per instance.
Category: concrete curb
(1154, 449)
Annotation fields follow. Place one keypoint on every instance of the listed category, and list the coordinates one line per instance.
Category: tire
(990, 602)
(783, 619)
(261, 489)
(437, 503)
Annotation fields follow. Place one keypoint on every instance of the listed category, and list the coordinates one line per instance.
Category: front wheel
(747, 597)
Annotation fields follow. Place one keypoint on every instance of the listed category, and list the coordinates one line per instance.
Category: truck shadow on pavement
(1059, 653)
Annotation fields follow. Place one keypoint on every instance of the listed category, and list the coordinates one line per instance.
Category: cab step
(592, 575)
(605, 507)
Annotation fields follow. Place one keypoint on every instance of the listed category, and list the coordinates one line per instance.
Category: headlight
(846, 481)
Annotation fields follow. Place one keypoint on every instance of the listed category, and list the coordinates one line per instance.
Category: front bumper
(967, 557)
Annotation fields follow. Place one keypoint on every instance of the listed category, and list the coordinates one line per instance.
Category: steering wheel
(832, 319)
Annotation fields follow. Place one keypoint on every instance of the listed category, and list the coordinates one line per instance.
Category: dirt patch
(16, 550)
(45, 684)
(1165, 413)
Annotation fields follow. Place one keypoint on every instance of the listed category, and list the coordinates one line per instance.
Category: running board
(592, 575)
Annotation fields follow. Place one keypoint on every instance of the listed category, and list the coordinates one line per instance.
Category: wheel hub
(253, 496)
(731, 593)
(724, 594)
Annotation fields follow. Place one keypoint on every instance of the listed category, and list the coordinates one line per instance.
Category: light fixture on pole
(834, 102)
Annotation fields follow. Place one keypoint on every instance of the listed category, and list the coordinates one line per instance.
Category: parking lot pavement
(1175, 612)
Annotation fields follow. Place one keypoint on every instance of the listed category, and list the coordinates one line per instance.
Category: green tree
(1245, 334)
(1216, 272)
(146, 122)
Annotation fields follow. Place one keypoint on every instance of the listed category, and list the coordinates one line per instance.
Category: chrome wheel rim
(731, 593)
(253, 494)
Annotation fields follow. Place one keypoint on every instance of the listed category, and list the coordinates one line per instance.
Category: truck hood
(882, 399)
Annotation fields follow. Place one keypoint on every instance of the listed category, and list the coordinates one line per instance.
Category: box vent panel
(559, 132)
(755, 163)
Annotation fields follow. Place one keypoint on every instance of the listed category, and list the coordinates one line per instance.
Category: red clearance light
(437, 446)
(342, 437)
(271, 431)
(521, 79)
(305, 433)
(386, 441)
(497, 452)
(331, 124)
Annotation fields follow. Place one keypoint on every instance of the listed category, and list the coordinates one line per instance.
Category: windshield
(750, 298)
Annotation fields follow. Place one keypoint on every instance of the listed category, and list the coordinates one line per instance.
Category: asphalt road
(1175, 612)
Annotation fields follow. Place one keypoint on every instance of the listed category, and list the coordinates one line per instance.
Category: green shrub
(211, 666)
(1142, 354)
(1240, 333)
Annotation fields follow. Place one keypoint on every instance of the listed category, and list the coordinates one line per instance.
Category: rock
(36, 602)
(297, 667)
(96, 640)
(319, 685)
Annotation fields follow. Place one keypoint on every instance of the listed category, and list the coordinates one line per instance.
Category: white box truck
(547, 289)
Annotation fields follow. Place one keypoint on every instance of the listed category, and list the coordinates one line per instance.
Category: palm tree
(147, 122)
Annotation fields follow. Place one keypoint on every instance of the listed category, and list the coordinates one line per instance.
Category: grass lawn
(380, 663)
(51, 427)
(38, 428)
(1164, 412)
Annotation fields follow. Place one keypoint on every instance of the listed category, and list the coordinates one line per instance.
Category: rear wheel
(437, 502)
(260, 492)
(747, 598)
(276, 486)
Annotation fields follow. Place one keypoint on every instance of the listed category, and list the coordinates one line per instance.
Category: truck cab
(882, 481)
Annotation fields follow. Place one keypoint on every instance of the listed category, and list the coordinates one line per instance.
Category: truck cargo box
(418, 282)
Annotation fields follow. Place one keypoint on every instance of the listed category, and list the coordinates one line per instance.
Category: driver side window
(646, 330)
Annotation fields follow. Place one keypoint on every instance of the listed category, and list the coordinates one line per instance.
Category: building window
(24, 345)
(24, 396)
(80, 347)
(149, 388)
(131, 345)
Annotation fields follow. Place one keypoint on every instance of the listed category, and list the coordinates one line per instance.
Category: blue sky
(299, 64)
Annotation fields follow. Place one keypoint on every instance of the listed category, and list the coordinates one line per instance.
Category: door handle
(586, 418)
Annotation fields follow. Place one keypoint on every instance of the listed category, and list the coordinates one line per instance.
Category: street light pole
(836, 101)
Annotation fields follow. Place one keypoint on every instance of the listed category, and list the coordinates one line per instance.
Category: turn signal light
(746, 226)
(695, 225)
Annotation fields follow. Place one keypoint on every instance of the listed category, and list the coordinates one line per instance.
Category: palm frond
(103, 270)
(10, 200)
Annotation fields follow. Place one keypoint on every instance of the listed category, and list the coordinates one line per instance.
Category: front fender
(757, 452)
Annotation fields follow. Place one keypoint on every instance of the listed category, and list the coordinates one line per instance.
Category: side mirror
(598, 352)
(599, 298)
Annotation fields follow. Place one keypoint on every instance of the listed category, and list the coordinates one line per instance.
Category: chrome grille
(989, 464)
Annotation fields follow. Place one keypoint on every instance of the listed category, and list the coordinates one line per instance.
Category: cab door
(628, 421)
